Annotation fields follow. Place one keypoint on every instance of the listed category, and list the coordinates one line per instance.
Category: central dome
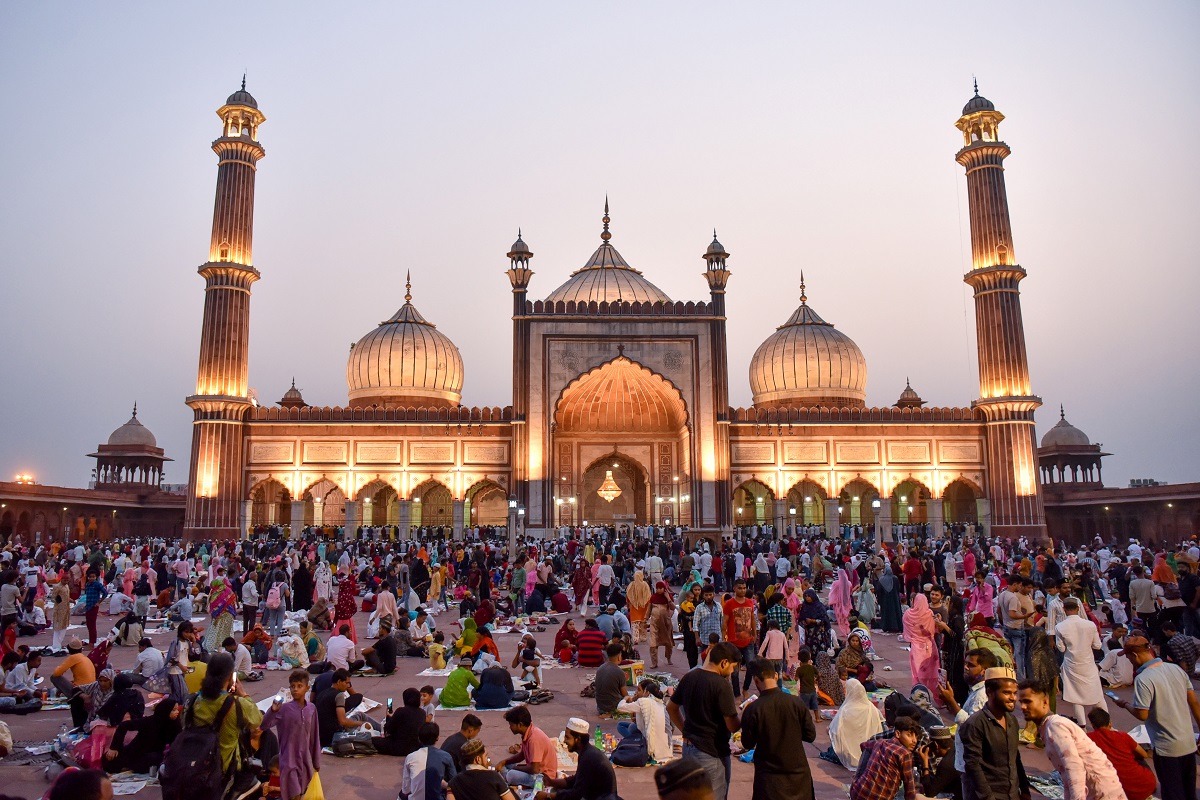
(807, 363)
(405, 362)
(607, 277)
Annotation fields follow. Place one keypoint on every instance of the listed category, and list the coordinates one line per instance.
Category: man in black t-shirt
(703, 708)
(454, 743)
(382, 657)
(610, 681)
(477, 781)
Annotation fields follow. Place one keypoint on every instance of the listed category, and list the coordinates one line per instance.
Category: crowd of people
(988, 624)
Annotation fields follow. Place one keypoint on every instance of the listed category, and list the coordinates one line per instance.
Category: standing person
(708, 617)
(60, 617)
(1143, 598)
(637, 597)
(687, 614)
(11, 595)
(1086, 772)
(299, 735)
(841, 601)
(703, 707)
(1160, 692)
(1078, 638)
(1126, 755)
(222, 606)
(595, 778)
(218, 694)
(975, 665)
(93, 592)
(1017, 609)
(773, 726)
(741, 630)
(888, 587)
(919, 631)
(991, 751)
(250, 600)
(660, 633)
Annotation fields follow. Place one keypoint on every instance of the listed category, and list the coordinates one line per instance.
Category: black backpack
(193, 769)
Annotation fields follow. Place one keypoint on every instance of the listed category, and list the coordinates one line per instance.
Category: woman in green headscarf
(693, 580)
(470, 634)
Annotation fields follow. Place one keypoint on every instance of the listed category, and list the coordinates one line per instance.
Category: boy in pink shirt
(774, 646)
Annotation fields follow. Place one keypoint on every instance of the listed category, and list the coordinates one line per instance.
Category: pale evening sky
(815, 136)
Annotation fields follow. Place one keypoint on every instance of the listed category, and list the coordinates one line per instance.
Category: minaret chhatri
(1005, 396)
(221, 399)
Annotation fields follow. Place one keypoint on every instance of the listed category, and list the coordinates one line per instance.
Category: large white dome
(132, 434)
(807, 362)
(405, 362)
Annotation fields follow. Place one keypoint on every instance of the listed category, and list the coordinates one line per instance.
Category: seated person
(242, 664)
(125, 702)
(455, 695)
(149, 661)
(82, 673)
(400, 728)
(319, 615)
(406, 645)
(336, 708)
(536, 754)
(312, 642)
(590, 644)
(610, 681)
(119, 603)
(939, 778)
(536, 602)
(181, 610)
(495, 688)
(477, 778)
(484, 643)
(421, 627)
(151, 735)
(529, 659)
(382, 657)
(560, 603)
(259, 642)
(437, 651)
(341, 651)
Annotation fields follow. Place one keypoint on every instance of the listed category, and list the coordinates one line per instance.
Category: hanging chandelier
(609, 489)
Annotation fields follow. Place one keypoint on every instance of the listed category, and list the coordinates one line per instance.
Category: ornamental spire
(803, 296)
(604, 234)
(408, 287)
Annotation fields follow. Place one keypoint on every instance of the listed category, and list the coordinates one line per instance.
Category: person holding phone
(296, 725)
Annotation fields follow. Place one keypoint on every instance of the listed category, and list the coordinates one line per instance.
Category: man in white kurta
(1077, 637)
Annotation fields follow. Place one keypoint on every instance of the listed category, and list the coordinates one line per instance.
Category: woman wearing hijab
(791, 601)
(762, 574)
(954, 649)
(661, 635)
(637, 596)
(466, 643)
(151, 737)
(386, 611)
(687, 616)
(889, 587)
(486, 612)
(125, 703)
(581, 582)
(347, 597)
(302, 587)
(919, 632)
(857, 721)
(222, 606)
(565, 641)
(865, 604)
(323, 581)
(841, 601)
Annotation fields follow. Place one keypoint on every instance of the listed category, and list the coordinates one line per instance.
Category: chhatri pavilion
(619, 411)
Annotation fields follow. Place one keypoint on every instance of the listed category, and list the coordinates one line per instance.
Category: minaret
(221, 399)
(519, 274)
(1005, 396)
(717, 275)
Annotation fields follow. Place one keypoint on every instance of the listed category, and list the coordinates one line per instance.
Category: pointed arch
(753, 503)
(271, 503)
(486, 504)
(808, 498)
(620, 396)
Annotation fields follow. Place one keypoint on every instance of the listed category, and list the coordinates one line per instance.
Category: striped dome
(405, 362)
(807, 362)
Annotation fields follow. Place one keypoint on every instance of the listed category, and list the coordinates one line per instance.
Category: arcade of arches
(857, 504)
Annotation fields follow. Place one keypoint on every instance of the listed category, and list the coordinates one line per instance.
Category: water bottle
(538, 784)
(598, 739)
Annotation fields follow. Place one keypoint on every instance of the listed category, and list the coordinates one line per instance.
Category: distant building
(127, 498)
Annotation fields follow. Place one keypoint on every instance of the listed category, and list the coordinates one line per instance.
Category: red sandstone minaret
(1005, 396)
(221, 399)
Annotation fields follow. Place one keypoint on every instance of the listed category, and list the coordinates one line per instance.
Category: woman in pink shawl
(841, 601)
(596, 581)
(968, 564)
(128, 578)
(919, 630)
(792, 600)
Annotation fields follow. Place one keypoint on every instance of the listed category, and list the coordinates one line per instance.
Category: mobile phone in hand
(389, 704)
(279, 697)
(1113, 695)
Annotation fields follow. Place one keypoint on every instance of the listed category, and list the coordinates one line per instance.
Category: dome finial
(408, 287)
(604, 234)
(243, 81)
(293, 381)
(135, 409)
(803, 296)
(976, 82)
(1062, 412)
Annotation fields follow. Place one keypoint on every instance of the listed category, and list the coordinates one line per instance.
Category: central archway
(624, 417)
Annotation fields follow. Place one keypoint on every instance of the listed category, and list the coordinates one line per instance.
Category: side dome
(132, 434)
(242, 98)
(1064, 434)
(807, 362)
(405, 362)
(607, 277)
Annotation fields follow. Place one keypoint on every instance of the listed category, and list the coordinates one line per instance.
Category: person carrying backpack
(205, 760)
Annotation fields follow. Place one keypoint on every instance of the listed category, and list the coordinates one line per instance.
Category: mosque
(619, 410)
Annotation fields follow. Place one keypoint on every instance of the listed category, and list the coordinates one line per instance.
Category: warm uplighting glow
(808, 499)
(609, 489)
(25, 479)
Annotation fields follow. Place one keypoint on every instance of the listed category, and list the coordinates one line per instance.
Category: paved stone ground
(378, 778)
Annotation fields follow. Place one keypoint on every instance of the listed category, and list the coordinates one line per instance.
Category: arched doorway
(7, 525)
(808, 498)
(960, 503)
(753, 504)
(432, 506)
(857, 503)
(641, 420)
(486, 504)
(272, 504)
(631, 506)
(325, 504)
(908, 503)
(380, 504)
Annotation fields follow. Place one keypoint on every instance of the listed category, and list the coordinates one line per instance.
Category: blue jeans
(272, 620)
(717, 769)
(627, 728)
(811, 701)
(1016, 637)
